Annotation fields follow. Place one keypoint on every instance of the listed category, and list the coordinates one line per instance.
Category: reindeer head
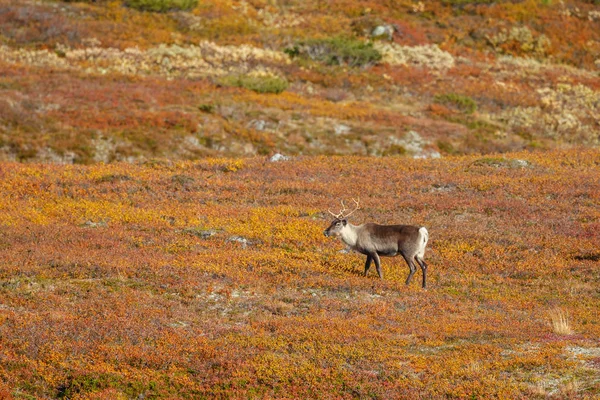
(340, 220)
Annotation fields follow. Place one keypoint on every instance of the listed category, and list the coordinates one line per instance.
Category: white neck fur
(349, 234)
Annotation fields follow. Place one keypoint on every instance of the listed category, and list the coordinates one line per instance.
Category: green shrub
(88, 383)
(337, 51)
(446, 147)
(394, 150)
(207, 108)
(161, 5)
(259, 84)
(463, 103)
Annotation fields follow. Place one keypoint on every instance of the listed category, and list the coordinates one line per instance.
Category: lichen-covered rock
(565, 112)
(522, 37)
(203, 60)
(426, 56)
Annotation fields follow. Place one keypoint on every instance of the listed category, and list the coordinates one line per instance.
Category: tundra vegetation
(213, 278)
(150, 249)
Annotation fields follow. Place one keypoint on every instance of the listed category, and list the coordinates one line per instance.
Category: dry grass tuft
(560, 322)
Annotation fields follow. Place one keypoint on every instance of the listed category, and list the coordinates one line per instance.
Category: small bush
(256, 83)
(463, 103)
(446, 147)
(206, 108)
(337, 51)
(161, 5)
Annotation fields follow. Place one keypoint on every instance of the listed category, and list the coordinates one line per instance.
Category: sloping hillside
(103, 81)
(213, 279)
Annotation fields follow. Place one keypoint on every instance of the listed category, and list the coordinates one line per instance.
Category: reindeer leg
(377, 264)
(411, 266)
(368, 264)
(423, 266)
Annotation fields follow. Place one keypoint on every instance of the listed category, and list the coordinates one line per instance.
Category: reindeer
(374, 240)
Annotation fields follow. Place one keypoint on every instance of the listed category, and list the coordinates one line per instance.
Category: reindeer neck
(350, 234)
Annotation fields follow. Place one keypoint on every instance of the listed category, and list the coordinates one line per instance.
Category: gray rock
(415, 144)
(341, 129)
(521, 163)
(208, 233)
(201, 233)
(92, 224)
(239, 239)
(279, 157)
(383, 31)
(258, 124)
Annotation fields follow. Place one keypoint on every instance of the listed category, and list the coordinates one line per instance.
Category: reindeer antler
(341, 215)
(356, 208)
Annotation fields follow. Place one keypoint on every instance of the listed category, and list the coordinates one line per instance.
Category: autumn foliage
(213, 279)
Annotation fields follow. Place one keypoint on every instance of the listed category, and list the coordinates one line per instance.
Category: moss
(161, 5)
(256, 83)
(461, 102)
